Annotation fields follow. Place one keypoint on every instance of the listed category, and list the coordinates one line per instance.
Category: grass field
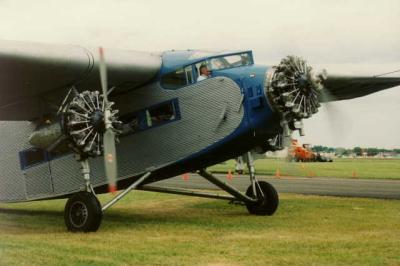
(157, 229)
(343, 168)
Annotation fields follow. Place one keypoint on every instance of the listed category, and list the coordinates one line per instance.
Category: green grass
(343, 168)
(159, 229)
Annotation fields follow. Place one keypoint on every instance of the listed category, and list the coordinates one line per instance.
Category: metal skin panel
(38, 181)
(202, 108)
(66, 175)
(13, 136)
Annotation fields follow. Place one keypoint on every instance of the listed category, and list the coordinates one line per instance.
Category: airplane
(67, 112)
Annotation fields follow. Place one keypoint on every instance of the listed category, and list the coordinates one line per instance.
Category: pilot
(204, 73)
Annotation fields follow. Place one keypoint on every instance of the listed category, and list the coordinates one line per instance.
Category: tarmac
(329, 186)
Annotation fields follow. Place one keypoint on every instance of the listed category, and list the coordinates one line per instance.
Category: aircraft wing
(349, 87)
(35, 77)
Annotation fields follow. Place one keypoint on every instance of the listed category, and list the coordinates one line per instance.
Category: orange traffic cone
(229, 176)
(277, 173)
(185, 176)
(354, 174)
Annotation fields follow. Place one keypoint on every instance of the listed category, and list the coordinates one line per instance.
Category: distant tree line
(358, 151)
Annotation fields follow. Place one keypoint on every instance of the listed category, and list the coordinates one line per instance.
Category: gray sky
(353, 37)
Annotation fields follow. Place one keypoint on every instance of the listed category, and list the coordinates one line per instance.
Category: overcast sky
(353, 37)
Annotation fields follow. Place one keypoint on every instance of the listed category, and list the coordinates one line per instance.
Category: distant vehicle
(62, 110)
(304, 153)
(322, 158)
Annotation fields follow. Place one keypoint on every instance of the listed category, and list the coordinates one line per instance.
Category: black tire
(266, 205)
(83, 213)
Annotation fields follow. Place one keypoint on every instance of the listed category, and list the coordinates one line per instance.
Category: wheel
(83, 213)
(266, 205)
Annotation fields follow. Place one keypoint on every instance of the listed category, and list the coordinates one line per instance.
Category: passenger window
(178, 79)
(160, 114)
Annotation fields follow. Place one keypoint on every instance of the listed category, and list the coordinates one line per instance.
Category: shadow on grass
(191, 214)
(25, 212)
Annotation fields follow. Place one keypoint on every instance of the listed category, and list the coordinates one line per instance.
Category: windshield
(229, 61)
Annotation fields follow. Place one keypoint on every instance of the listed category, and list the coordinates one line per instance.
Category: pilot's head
(204, 70)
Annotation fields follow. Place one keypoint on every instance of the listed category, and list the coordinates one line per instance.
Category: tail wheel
(83, 213)
(268, 200)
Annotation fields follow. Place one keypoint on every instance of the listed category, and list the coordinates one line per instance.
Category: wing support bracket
(185, 192)
(226, 187)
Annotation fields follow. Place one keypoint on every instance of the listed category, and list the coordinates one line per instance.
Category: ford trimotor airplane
(68, 111)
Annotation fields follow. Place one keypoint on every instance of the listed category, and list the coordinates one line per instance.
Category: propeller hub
(97, 120)
(302, 81)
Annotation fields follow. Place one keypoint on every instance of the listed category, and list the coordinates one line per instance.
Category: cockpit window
(177, 79)
(190, 74)
(229, 61)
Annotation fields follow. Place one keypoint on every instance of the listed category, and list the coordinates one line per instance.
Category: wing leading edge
(33, 75)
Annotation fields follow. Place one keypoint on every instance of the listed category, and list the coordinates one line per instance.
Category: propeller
(110, 158)
(335, 115)
(295, 93)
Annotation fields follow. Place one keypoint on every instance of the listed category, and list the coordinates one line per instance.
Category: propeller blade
(110, 159)
(103, 75)
(336, 117)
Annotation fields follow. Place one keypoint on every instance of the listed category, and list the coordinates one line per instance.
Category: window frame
(195, 70)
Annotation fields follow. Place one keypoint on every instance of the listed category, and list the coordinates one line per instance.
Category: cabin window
(161, 114)
(178, 79)
(32, 157)
(158, 114)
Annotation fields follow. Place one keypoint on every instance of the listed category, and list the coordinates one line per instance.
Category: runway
(363, 188)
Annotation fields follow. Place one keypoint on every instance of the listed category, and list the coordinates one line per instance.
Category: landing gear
(83, 213)
(267, 196)
(261, 198)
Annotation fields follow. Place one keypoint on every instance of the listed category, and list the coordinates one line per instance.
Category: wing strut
(126, 191)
